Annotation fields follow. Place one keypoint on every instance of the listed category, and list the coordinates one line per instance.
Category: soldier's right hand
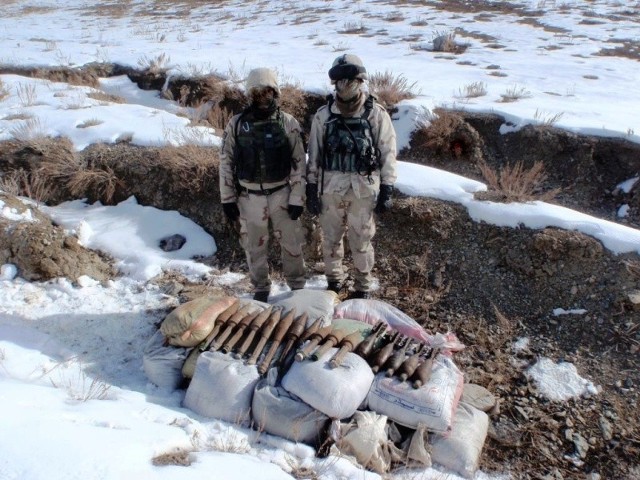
(231, 211)
(313, 201)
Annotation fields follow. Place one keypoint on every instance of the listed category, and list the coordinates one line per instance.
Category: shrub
(515, 183)
(390, 89)
(514, 93)
(473, 90)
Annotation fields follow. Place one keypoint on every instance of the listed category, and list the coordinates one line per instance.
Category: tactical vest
(262, 153)
(349, 145)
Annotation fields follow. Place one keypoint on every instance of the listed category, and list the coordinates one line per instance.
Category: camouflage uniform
(348, 198)
(261, 202)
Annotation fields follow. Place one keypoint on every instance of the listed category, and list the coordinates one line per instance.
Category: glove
(313, 201)
(384, 199)
(294, 211)
(231, 211)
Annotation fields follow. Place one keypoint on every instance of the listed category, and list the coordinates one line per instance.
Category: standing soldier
(352, 156)
(262, 166)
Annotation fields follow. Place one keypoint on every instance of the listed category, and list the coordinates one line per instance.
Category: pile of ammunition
(246, 334)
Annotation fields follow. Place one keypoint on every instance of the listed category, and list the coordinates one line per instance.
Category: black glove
(384, 199)
(313, 201)
(294, 211)
(231, 211)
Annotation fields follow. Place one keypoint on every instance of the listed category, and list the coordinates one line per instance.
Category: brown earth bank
(489, 285)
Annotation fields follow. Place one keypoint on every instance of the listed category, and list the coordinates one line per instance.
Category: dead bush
(193, 166)
(292, 101)
(515, 183)
(390, 89)
(97, 183)
(179, 457)
(436, 129)
(25, 184)
(218, 117)
(106, 97)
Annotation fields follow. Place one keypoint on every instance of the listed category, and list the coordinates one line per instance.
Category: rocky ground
(489, 285)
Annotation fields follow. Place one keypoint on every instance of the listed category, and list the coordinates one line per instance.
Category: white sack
(433, 404)
(373, 311)
(222, 387)
(280, 413)
(163, 364)
(317, 303)
(460, 450)
(366, 439)
(336, 392)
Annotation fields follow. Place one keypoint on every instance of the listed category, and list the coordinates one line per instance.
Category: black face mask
(264, 112)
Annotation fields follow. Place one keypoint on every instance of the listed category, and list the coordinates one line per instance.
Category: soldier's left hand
(294, 211)
(384, 202)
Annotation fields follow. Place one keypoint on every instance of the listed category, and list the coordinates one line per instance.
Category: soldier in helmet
(350, 172)
(262, 180)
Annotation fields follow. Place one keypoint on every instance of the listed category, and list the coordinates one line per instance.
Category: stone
(606, 428)
(581, 445)
(478, 396)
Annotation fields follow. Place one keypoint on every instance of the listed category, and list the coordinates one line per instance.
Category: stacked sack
(290, 375)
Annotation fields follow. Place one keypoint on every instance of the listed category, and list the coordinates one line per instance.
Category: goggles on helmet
(345, 71)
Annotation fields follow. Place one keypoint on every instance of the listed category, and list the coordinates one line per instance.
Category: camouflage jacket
(228, 180)
(338, 182)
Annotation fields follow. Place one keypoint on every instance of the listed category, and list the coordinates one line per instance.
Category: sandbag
(190, 323)
(189, 365)
(373, 311)
(336, 392)
(317, 303)
(222, 387)
(365, 437)
(280, 413)
(433, 404)
(163, 363)
(460, 450)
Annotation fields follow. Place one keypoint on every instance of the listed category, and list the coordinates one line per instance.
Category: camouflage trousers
(354, 216)
(255, 213)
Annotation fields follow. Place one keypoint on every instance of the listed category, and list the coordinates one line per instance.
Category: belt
(264, 191)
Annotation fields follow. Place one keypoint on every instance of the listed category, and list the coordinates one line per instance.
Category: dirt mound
(42, 251)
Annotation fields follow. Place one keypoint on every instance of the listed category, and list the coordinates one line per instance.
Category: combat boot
(262, 296)
(359, 294)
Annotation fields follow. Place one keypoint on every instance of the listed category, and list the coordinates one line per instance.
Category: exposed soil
(489, 285)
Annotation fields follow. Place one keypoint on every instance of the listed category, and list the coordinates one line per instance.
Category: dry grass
(193, 165)
(353, 28)
(473, 90)
(627, 49)
(436, 129)
(547, 120)
(390, 89)
(92, 122)
(514, 93)
(106, 97)
(18, 116)
(157, 64)
(218, 117)
(32, 129)
(101, 182)
(27, 94)
(515, 183)
(293, 101)
(25, 184)
(179, 457)
(82, 388)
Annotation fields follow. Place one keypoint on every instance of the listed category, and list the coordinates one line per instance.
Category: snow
(573, 311)
(75, 401)
(559, 381)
